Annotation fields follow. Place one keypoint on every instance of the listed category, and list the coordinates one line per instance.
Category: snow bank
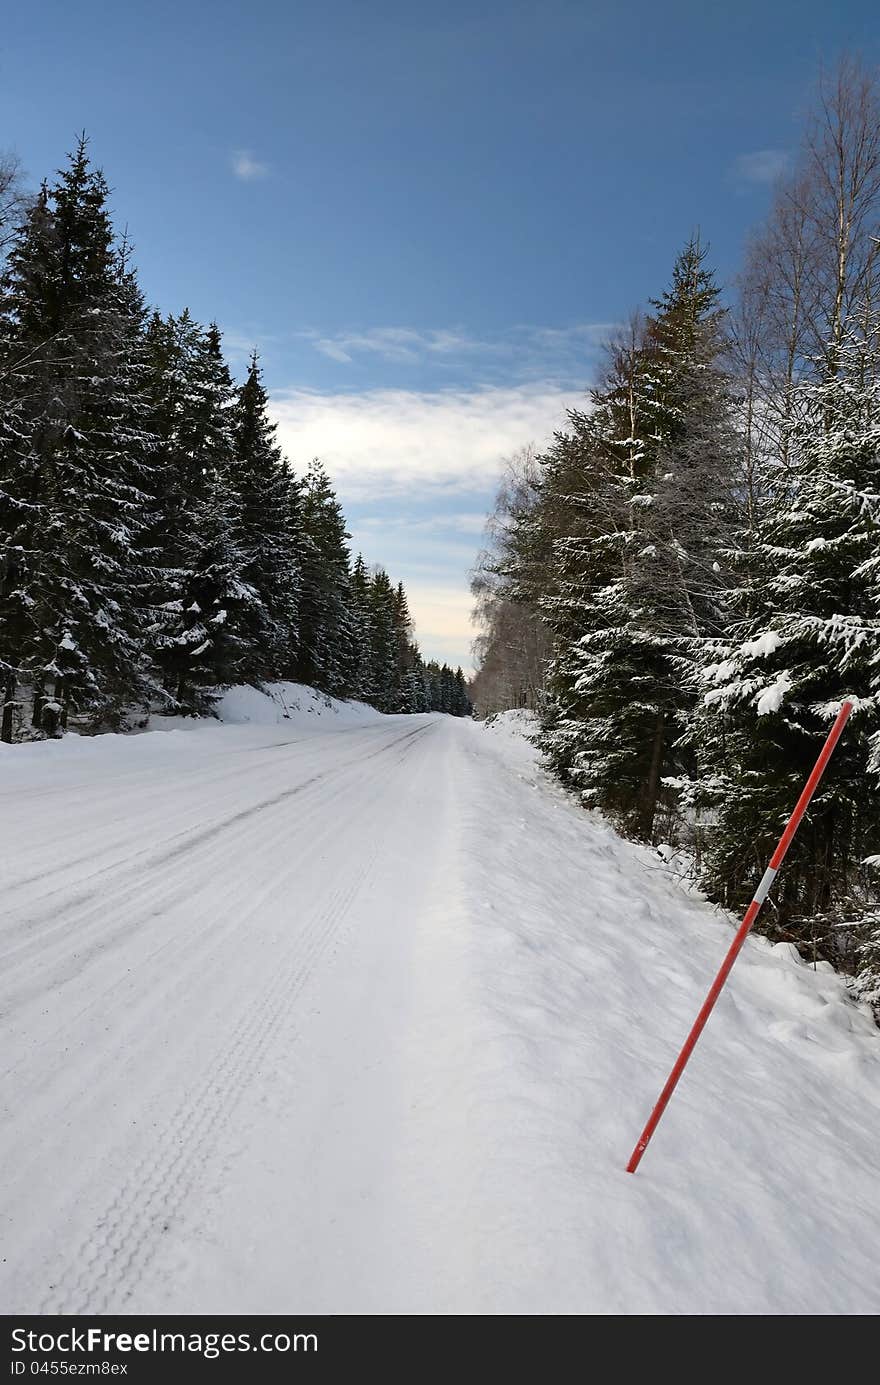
(758, 1194)
(517, 722)
(280, 703)
(274, 704)
(244, 715)
(514, 732)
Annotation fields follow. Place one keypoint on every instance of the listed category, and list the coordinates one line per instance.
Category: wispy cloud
(246, 167)
(238, 345)
(396, 443)
(416, 471)
(523, 351)
(459, 522)
(399, 344)
(763, 166)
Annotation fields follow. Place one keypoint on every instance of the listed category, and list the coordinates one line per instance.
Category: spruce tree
(327, 653)
(361, 625)
(867, 960)
(264, 490)
(644, 488)
(406, 650)
(219, 609)
(191, 396)
(808, 637)
(416, 685)
(76, 458)
(461, 702)
(387, 680)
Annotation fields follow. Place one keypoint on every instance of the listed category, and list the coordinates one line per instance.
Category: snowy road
(168, 930)
(367, 1018)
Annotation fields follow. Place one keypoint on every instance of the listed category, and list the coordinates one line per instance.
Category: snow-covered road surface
(361, 1015)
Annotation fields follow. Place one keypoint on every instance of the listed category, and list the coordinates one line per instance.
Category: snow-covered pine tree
(415, 685)
(645, 486)
(432, 686)
(205, 614)
(867, 958)
(406, 649)
(219, 609)
(190, 415)
(446, 690)
(387, 677)
(76, 457)
(327, 648)
(21, 509)
(462, 703)
(449, 691)
(264, 487)
(808, 636)
(361, 624)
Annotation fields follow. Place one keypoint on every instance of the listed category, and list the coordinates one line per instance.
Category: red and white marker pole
(751, 914)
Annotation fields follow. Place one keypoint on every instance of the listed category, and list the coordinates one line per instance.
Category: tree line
(157, 545)
(686, 583)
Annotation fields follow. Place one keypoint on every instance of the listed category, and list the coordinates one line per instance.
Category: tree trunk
(37, 708)
(62, 696)
(6, 726)
(652, 784)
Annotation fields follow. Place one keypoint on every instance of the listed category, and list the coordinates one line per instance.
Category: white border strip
(763, 889)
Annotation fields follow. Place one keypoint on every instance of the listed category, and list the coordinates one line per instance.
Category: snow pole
(733, 951)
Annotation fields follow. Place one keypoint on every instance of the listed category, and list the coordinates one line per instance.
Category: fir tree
(191, 396)
(809, 639)
(266, 514)
(219, 609)
(76, 457)
(647, 486)
(406, 650)
(867, 981)
(361, 624)
(327, 651)
(416, 685)
(387, 680)
(461, 700)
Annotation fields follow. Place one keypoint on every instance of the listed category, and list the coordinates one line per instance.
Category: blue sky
(426, 216)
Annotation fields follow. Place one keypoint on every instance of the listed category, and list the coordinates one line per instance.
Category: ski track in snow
(350, 1013)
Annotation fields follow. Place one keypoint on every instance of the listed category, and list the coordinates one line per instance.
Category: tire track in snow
(110, 1262)
(78, 921)
(116, 996)
(129, 1232)
(153, 855)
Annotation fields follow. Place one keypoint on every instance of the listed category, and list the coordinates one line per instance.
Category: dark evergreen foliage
(156, 544)
(703, 550)
(638, 499)
(76, 461)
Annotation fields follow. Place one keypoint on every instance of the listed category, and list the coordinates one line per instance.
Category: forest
(685, 584)
(157, 545)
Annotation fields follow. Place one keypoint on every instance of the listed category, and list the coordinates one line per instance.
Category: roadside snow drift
(322, 1011)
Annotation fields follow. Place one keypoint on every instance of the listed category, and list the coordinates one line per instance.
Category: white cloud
(238, 346)
(336, 351)
(442, 617)
(433, 458)
(387, 443)
(399, 344)
(459, 522)
(524, 350)
(246, 167)
(762, 166)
